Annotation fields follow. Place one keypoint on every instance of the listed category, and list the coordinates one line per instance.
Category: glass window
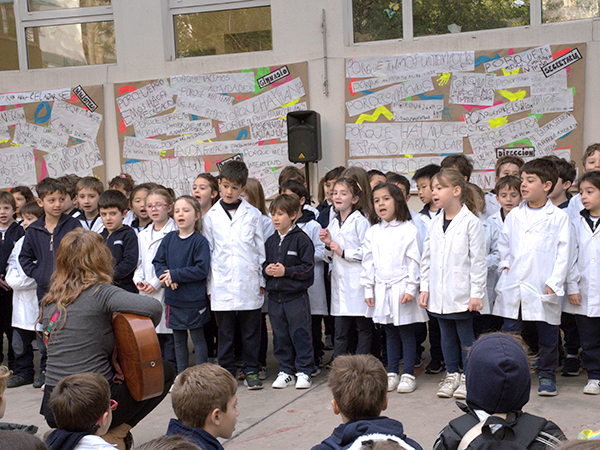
(376, 20)
(48, 5)
(432, 17)
(558, 10)
(221, 32)
(71, 45)
(8, 37)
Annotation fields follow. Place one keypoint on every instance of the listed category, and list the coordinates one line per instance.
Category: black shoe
(16, 381)
(41, 381)
(571, 368)
(252, 381)
(435, 366)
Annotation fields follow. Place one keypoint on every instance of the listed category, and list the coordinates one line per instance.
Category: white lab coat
(129, 218)
(316, 293)
(454, 264)
(418, 221)
(537, 255)
(237, 247)
(92, 442)
(587, 270)
(25, 303)
(574, 207)
(494, 227)
(492, 206)
(391, 266)
(96, 225)
(149, 241)
(347, 294)
(268, 230)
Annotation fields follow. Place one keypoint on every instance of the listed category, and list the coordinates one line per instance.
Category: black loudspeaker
(304, 136)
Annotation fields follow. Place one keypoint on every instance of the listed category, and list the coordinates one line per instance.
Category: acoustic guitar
(138, 354)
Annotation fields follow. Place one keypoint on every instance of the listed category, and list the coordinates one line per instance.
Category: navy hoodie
(198, 436)
(123, 244)
(39, 249)
(344, 436)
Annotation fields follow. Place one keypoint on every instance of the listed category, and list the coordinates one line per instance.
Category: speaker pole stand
(307, 172)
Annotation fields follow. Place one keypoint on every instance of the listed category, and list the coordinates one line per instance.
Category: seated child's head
(376, 177)
(423, 178)
(172, 442)
(81, 403)
(508, 192)
(22, 195)
(204, 397)
(329, 180)
(70, 181)
(460, 163)
(402, 182)
(4, 374)
(232, 181)
(498, 375)
(8, 208)
(51, 196)
(112, 206)
(89, 190)
(21, 440)
(591, 158)
(30, 212)
(206, 189)
(123, 183)
(292, 173)
(284, 211)
(508, 165)
(538, 178)
(359, 387)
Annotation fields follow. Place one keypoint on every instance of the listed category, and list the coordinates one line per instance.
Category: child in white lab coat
(535, 255)
(584, 297)
(343, 248)
(390, 277)
(453, 273)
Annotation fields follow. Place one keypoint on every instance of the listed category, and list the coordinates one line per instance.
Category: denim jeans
(457, 338)
(181, 348)
(401, 340)
(590, 342)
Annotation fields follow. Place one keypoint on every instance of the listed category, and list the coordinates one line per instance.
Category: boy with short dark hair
(82, 409)
(289, 272)
(234, 230)
(205, 404)
(507, 165)
(71, 201)
(359, 387)
(459, 162)
(11, 232)
(120, 239)
(89, 190)
(535, 256)
(591, 163)
(566, 176)
(25, 307)
(291, 173)
(422, 178)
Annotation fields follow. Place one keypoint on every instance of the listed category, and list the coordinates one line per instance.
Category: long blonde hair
(82, 261)
(452, 178)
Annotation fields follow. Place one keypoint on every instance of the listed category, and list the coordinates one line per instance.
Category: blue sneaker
(547, 388)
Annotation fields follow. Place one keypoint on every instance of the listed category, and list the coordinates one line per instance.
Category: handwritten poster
(403, 111)
(172, 129)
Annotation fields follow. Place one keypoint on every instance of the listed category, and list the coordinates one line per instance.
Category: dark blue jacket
(7, 242)
(297, 253)
(39, 248)
(123, 244)
(345, 435)
(188, 262)
(198, 436)
(323, 218)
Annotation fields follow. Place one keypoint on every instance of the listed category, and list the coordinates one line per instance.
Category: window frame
(180, 7)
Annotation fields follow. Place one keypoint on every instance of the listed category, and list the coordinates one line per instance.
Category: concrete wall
(143, 35)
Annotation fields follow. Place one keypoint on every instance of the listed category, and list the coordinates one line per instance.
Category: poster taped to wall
(407, 111)
(173, 129)
(51, 133)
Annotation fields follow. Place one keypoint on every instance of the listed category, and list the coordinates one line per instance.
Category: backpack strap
(475, 431)
(527, 428)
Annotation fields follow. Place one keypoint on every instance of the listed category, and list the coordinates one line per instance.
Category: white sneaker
(303, 381)
(393, 380)
(448, 385)
(407, 384)
(461, 391)
(592, 387)
(283, 380)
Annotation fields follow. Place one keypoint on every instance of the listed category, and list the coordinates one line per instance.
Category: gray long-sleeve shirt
(85, 341)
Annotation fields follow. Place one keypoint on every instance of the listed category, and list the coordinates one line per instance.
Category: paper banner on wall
(434, 104)
(208, 118)
(55, 132)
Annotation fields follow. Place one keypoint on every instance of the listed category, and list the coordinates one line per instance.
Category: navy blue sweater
(39, 248)
(297, 253)
(188, 262)
(198, 436)
(7, 242)
(123, 244)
